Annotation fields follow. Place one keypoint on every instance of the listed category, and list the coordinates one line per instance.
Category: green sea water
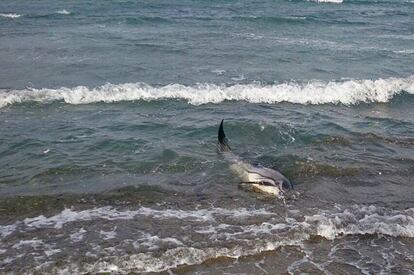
(109, 112)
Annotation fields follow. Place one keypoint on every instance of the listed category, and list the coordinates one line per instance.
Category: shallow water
(109, 113)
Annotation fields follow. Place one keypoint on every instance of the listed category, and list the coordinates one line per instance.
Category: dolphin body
(256, 178)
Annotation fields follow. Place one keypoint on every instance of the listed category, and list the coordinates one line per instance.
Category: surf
(349, 92)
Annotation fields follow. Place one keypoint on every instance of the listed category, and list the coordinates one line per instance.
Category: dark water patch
(184, 164)
(71, 128)
(401, 141)
(272, 19)
(377, 3)
(392, 123)
(339, 21)
(28, 206)
(343, 268)
(403, 98)
(138, 126)
(55, 15)
(168, 155)
(297, 168)
(334, 126)
(347, 253)
(211, 263)
(167, 162)
(334, 140)
(306, 169)
(119, 146)
(27, 144)
(170, 49)
(32, 105)
(143, 167)
(139, 20)
(15, 207)
(407, 165)
(62, 173)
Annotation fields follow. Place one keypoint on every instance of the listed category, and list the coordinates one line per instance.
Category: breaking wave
(222, 232)
(110, 213)
(328, 1)
(315, 92)
(64, 12)
(10, 15)
(330, 224)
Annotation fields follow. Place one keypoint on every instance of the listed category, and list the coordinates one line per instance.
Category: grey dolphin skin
(258, 178)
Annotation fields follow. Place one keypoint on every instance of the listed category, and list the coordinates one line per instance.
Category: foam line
(315, 92)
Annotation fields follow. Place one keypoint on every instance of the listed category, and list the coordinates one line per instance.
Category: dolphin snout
(287, 184)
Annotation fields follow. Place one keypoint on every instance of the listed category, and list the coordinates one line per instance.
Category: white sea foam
(50, 252)
(107, 235)
(109, 213)
(327, 1)
(65, 12)
(219, 226)
(10, 15)
(35, 243)
(360, 220)
(171, 258)
(219, 72)
(257, 238)
(153, 242)
(314, 92)
(6, 230)
(326, 223)
(78, 236)
(407, 51)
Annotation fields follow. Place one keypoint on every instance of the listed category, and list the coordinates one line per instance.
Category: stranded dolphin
(257, 178)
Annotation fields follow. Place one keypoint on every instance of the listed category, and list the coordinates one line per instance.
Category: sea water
(109, 112)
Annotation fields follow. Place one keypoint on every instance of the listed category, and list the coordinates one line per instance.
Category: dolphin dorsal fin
(222, 140)
(221, 134)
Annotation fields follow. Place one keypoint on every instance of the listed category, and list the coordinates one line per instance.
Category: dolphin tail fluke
(222, 140)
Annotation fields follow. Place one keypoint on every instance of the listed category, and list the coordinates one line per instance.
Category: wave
(327, 1)
(64, 12)
(175, 257)
(315, 92)
(330, 224)
(143, 20)
(270, 19)
(226, 226)
(407, 51)
(362, 220)
(10, 15)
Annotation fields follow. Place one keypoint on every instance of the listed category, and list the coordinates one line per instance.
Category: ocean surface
(109, 112)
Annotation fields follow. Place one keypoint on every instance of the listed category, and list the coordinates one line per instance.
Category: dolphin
(256, 178)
